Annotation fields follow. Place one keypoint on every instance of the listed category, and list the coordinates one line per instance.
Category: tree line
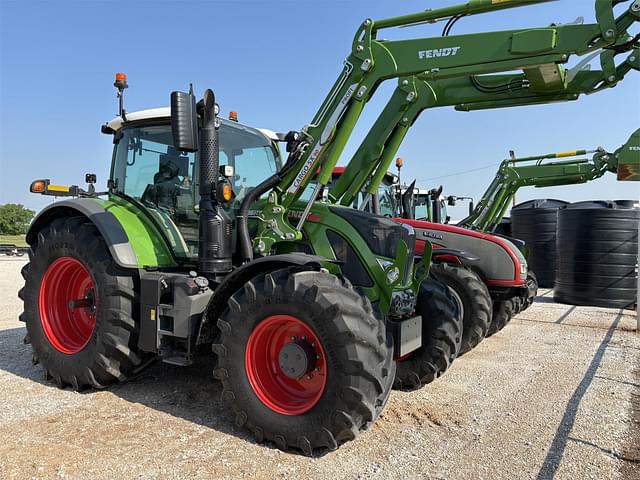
(14, 219)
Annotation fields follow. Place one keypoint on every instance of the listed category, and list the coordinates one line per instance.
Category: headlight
(393, 274)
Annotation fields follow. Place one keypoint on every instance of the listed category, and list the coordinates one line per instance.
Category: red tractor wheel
(68, 305)
(303, 360)
(286, 364)
(79, 307)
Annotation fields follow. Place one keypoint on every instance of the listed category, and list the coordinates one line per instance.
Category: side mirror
(451, 201)
(184, 121)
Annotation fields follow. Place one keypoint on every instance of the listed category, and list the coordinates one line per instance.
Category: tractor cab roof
(165, 113)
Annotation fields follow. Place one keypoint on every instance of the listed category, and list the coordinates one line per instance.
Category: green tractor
(201, 243)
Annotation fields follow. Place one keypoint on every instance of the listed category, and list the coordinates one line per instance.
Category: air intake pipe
(214, 238)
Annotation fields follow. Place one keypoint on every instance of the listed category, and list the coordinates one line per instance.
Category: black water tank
(535, 223)
(504, 227)
(597, 253)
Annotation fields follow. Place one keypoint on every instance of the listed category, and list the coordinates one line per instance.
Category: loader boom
(412, 96)
(538, 51)
(537, 171)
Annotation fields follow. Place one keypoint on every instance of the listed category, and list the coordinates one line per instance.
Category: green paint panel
(540, 40)
(146, 241)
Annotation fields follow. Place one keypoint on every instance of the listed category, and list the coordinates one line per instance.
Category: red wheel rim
(68, 329)
(279, 392)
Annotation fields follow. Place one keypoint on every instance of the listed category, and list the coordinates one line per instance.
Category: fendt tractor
(486, 273)
(201, 243)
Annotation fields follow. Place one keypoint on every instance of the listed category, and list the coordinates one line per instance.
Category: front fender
(241, 275)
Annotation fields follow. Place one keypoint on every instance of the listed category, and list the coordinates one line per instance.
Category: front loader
(545, 171)
(201, 242)
(498, 275)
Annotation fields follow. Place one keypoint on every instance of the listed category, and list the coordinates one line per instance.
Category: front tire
(502, 313)
(474, 302)
(532, 290)
(344, 370)
(92, 342)
(441, 337)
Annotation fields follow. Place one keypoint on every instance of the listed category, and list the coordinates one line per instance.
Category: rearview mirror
(184, 121)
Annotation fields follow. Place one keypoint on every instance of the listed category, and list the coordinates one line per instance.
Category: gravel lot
(556, 394)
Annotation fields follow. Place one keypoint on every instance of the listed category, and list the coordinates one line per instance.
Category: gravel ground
(556, 394)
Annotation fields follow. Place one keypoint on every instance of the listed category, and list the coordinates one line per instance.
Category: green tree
(14, 219)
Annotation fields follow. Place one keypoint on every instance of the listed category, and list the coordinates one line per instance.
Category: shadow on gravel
(562, 317)
(608, 451)
(540, 299)
(190, 393)
(15, 356)
(631, 470)
(559, 443)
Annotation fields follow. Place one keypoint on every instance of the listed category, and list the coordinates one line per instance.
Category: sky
(273, 62)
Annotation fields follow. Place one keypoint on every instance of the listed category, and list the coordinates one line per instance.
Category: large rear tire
(441, 337)
(303, 361)
(92, 342)
(473, 299)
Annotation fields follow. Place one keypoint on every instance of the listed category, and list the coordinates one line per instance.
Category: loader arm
(373, 60)
(373, 158)
(538, 171)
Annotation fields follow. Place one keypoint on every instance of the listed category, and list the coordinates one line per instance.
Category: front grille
(352, 266)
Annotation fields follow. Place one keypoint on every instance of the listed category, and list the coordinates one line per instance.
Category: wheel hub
(297, 359)
(68, 306)
(286, 364)
(88, 302)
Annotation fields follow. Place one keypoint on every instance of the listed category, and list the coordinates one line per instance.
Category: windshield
(148, 169)
(387, 198)
(421, 207)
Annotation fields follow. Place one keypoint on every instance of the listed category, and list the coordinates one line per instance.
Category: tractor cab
(148, 171)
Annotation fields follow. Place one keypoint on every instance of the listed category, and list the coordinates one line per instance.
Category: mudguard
(133, 239)
(461, 256)
(235, 280)
(107, 224)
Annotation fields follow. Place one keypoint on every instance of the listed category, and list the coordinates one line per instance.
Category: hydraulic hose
(246, 247)
(243, 215)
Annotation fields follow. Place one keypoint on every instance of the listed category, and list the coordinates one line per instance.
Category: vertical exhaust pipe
(214, 236)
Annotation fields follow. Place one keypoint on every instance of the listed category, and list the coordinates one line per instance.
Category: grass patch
(17, 240)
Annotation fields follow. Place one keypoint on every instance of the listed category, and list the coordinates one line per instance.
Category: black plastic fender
(235, 280)
(106, 223)
(464, 257)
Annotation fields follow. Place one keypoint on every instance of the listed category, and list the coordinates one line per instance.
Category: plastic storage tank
(597, 254)
(535, 222)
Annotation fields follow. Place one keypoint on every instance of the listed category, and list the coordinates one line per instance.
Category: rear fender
(107, 224)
